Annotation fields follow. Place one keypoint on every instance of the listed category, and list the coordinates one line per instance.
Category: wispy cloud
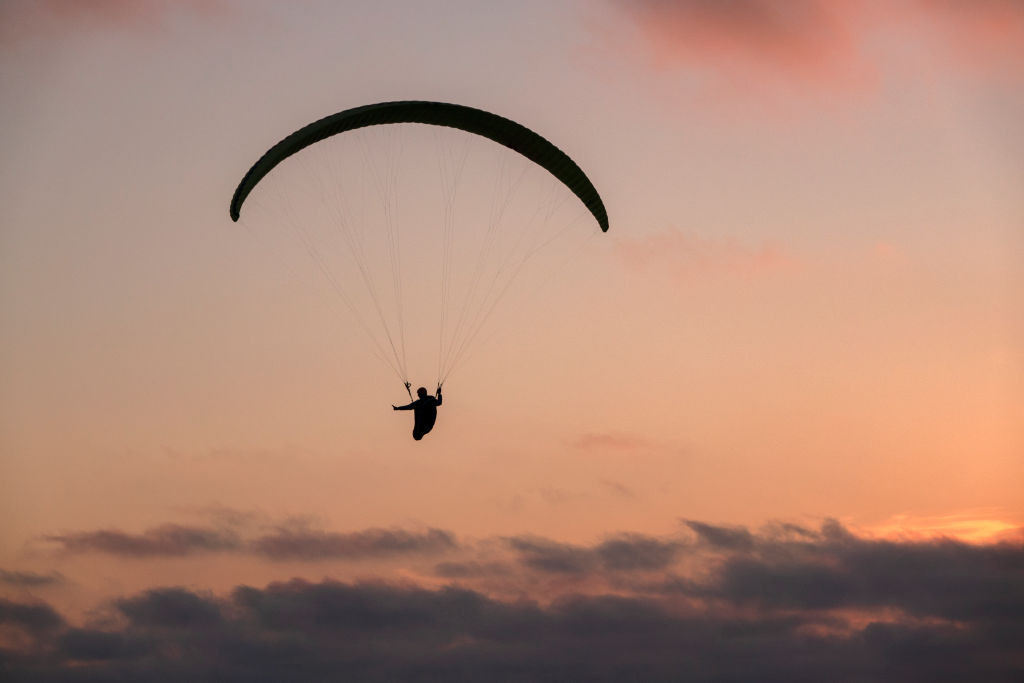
(472, 570)
(685, 257)
(618, 553)
(618, 488)
(29, 579)
(721, 537)
(287, 542)
(610, 441)
(168, 540)
(551, 557)
(370, 543)
(637, 552)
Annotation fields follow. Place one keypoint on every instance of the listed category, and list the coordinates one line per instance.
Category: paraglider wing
(499, 129)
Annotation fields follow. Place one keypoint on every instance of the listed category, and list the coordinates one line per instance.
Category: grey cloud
(834, 569)
(174, 540)
(301, 631)
(620, 553)
(319, 545)
(361, 609)
(471, 569)
(637, 552)
(90, 645)
(29, 579)
(727, 604)
(724, 538)
(32, 617)
(170, 608)
(168, 540)
(551, 557)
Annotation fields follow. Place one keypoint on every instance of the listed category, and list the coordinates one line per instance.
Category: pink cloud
(749, 41)
(982, 33)
(825, 46)
(21, 20)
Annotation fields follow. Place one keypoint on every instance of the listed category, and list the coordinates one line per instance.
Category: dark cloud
(333, 607)
(789, 569)
(319, 545)
(472, 569)
(621, 553)
(29, 579)
(169, 540)
(552, 557)
(302, 631)
(942, 579)
(824, 574)
(170, 608)
(720, 537)
(631, 552)
(83, 645)
(32, 617)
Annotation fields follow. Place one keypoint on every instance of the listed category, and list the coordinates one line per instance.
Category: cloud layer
(709, 603)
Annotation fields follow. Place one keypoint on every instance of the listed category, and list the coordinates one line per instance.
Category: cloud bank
(710, 603)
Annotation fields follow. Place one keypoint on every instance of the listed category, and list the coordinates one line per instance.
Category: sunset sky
(782, 397)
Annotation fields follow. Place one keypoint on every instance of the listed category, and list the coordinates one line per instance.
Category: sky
(770, 426)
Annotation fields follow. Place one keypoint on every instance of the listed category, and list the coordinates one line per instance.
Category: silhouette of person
(424, 411)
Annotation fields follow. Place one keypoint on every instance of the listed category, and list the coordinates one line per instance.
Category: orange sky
(808, 305)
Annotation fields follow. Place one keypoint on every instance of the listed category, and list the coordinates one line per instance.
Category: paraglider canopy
(497, 128)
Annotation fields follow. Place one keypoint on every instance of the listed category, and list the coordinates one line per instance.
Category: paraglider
(424, 410)
(466, 300)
